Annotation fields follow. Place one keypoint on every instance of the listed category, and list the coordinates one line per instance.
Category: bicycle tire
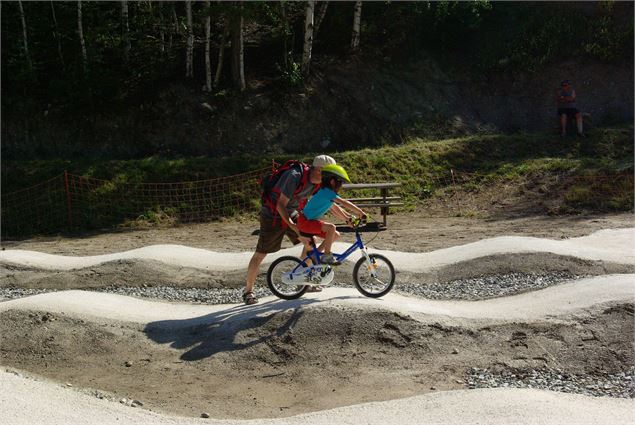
(385, 287)
(276, 286)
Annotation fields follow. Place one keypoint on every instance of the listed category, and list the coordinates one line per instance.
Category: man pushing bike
(284, 192)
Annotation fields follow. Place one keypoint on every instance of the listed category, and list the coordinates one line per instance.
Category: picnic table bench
(383, 201)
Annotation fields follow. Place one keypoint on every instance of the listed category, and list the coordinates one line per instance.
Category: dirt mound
(300, 360)
(135, 273)
(530, 262)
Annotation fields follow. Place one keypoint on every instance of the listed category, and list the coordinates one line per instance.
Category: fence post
(458, 204)
(68, 200)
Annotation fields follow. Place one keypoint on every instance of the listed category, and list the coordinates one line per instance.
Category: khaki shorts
(271, 234)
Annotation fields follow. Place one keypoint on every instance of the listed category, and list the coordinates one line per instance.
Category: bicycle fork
(370, 265)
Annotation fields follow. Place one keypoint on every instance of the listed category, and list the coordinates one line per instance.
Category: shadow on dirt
(228, 330)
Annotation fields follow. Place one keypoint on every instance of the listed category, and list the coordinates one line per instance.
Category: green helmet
(334, 170)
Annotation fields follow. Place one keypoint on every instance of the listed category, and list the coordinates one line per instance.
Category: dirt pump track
(321, 358)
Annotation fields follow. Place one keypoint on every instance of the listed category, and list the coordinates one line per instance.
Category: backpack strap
(266, 195)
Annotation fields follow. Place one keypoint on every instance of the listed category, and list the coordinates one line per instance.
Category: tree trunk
(221, 52)
(175, 19)
(80, 33)
(174, 26)
(285, 29)
(25, 42)
(238, 58)
(357, 17)
(208, 62)
(161, 28)
(320, 18)
(56, 35)
(125, 29)
(308, 37)
(189, 53)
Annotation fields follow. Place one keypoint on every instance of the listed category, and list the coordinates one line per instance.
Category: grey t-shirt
(288, 183)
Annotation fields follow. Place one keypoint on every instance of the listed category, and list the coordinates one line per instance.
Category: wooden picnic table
(383, 201)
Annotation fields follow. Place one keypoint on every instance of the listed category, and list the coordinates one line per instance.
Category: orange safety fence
(69, 201)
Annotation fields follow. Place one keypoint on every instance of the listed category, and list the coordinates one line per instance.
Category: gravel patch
(12, 293)
(484, 287)
(621, 385)
(168, 293)
(193, 295)
(472, 289)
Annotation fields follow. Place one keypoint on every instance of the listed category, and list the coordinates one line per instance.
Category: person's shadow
(233, 329)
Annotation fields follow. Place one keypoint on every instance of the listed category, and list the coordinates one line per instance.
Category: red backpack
(270, 178)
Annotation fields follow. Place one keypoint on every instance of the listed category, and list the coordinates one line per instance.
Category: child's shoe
(330, 259)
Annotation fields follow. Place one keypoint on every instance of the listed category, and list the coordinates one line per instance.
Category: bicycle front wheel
(285, 278)
(374, 279)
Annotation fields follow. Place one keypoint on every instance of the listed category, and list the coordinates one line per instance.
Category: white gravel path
(612, 245)
(26, 401)
(553, 301)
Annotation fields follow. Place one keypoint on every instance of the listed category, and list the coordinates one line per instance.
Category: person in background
(567, 108)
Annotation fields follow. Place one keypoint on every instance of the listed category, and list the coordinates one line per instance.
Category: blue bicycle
(289, 277)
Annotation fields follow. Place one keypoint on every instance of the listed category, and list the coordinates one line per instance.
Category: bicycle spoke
(285, 278)
(383, 279)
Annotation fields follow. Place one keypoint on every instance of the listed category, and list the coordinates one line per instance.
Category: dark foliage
(479, 36)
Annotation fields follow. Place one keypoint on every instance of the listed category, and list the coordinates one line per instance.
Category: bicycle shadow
(227, 330)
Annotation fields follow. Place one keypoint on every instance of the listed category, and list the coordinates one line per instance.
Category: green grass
(421, 166)
(607, 150)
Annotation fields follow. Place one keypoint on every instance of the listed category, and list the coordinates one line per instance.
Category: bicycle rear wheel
(375, 279)
(281, 275)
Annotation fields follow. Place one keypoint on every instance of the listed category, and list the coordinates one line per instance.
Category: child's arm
(350, 206)
(339, 212)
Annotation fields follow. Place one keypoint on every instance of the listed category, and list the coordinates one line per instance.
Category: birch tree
(320, 17)
(221, 52)
(175, 19)
(56, 35)
(308, 37)
(80, 33)
(161, 28)
(175, 26)
(25, 41)
(189, 51)
(125, 29)
(357, 17)
(208, 63)
(238, 53)
(285, 31)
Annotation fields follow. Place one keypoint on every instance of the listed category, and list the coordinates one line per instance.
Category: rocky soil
(296, 361)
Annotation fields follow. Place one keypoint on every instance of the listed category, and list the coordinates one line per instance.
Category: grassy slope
(606, 150)
(422, 166)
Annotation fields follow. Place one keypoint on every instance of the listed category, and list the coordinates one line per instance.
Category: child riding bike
(309, 219)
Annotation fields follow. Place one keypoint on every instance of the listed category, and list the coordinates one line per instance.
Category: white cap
(322, 160)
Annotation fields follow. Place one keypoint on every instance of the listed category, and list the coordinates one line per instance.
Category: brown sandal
(249, 298)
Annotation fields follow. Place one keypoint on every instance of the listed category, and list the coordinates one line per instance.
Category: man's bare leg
(252, 270)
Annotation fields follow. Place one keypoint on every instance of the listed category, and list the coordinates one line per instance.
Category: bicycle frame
(315, 255)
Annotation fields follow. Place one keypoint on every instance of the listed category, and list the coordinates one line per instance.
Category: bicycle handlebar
(358, 222)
